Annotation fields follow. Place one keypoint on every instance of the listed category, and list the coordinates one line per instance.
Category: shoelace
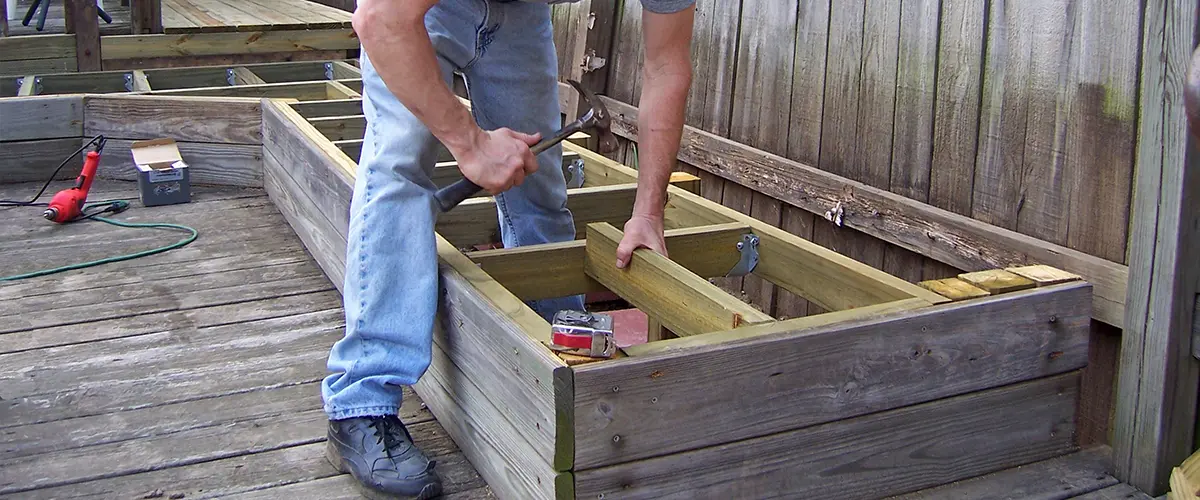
(391, 432)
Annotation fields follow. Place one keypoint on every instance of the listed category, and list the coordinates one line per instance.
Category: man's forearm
(660, 124)
(395, 39)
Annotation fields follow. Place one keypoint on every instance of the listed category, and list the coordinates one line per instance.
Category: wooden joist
(684, 302)
(557, 269)
(237, 42)
(951, 238)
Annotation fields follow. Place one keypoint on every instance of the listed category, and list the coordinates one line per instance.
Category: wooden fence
(960, 134)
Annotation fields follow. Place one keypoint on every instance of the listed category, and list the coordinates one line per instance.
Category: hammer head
(597, 119)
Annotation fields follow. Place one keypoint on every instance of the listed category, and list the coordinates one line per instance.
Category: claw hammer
(596, 118)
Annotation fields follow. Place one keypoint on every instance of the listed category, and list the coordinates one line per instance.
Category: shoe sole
(335, 459)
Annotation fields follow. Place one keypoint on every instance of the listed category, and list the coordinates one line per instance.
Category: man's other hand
(641, 231)
(499, 160)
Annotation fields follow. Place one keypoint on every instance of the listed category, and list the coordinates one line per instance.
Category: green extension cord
(116, 206)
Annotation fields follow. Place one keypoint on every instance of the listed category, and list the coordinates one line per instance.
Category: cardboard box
(162, 174)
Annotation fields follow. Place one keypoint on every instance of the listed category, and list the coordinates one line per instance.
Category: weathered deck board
(1068, 476)
(186, 373)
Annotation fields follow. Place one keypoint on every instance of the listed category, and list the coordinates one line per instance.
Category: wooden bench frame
(898, 387)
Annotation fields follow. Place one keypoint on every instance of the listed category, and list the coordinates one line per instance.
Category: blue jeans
(506, 53)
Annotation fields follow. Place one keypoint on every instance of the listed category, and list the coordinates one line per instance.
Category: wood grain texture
(875, 455)
(84, 23)
(955, 289)
(762, 104)
(794, 263)
(201, 44)
(1004, 114)
(807, 322)
(794, 379)
(332, 107)
(912, 145)
(684, 302)
(304, 91)
(805, 129)
(997, 281)
(1080, 473)
(23, 161)
(557, 269)
(41, 117)
(1102, 146)
(18, 48)
(956, 107)
(1154, 426)
(960, 241)
(510, 369)
(340, 128)
(190, 119)
(1121, 491)
(208, 163)
(312, 226)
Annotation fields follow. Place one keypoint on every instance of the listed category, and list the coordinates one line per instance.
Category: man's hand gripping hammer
(596, 119)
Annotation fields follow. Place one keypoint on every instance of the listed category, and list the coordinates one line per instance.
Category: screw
(615, 388)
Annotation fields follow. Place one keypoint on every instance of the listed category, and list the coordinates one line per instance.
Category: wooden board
(48, 117)
(249, 42)
(869, 456)
(955, 289)
(684, 302)
(191, 119)
(208, 163)
(1080, 473)
(715, 394)
(557, 269)
(950, 238)
(22, 161)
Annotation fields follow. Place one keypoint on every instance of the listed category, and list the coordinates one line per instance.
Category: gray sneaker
(380, 454)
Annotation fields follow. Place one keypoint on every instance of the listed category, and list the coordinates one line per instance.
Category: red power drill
(67, 204)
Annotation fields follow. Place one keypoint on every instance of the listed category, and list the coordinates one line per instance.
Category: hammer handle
(450, 196)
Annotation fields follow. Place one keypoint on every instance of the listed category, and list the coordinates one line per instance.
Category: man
(505, 50)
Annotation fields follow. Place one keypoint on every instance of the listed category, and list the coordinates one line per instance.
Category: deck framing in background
(883, 359)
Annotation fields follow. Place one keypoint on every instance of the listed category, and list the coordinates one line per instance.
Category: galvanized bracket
(37, 84)
(129, 82)
(748, 247)
(575, 174)
(230, 76)
(328, 71)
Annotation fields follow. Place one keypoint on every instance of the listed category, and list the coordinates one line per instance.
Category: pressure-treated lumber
(242, 75)
(954, 239)
(1085, 472)
(870, 456)
(955, 289)
(41, 117)
(791, 325)
(339, 90)
(193, 119)
(997, 280)
(304, 91)
(1154, 427)
(518, 445)
(35, 160)
(684, 302)
(643, 406)
(237, 42)
(819, 274)
(557, 269)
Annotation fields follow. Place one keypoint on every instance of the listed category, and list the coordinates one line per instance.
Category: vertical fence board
(916, 80)
(1004, 112)
(956, 112)
(1054, 57)
(762, 105)
(1102, 135)
(804, 133)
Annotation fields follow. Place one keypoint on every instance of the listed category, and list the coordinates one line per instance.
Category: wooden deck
(201, 16)
(189, 374)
